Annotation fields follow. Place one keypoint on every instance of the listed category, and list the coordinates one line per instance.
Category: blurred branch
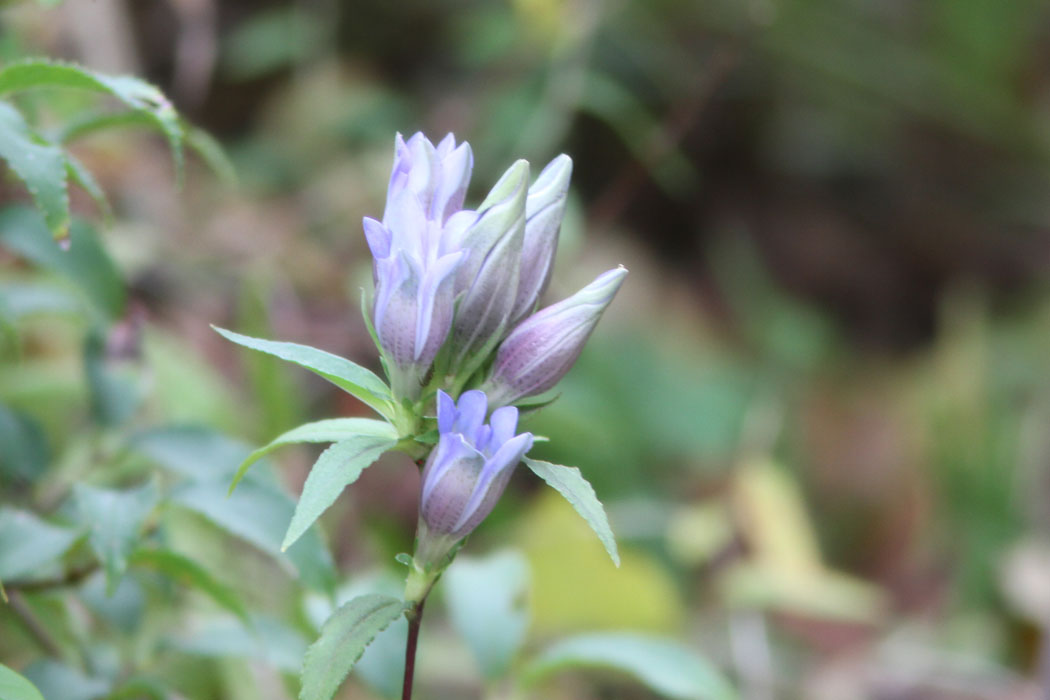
(196, 50)
(69, 578)
(31, 624)
(102, 32)
(682, 116)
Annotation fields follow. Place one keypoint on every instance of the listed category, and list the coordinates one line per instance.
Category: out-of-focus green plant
(84, 520)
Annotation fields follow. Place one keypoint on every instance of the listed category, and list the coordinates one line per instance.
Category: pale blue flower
(416, 255)
(468, 470)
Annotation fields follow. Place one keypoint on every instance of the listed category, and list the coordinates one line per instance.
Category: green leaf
(124, 609)
(212, 153)
(569, 482)
(382, 666)
(115, 387)
(20, 300)
(83, 177)
(257, 512)
(666, 667)
(348, 376)
(329, 430)
(185, 570)
(135, 93)
(265, 639)
(336, 468)
(57, 680)
(16, 687)
(487, 601)
(342, 642)
(24, 452)
(27, 543)
(115, 519)
(194, 452)
(86, 263)
(141, 688)
(209, 150)
(39, 164)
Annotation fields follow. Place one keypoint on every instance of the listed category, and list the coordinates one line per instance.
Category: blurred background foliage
(817, 412)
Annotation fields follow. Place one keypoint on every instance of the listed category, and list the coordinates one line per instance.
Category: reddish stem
(414, 621)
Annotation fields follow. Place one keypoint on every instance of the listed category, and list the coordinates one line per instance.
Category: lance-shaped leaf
(115, 519)
(348, 376)
(569, 482)
(336, 468)
(39, 164)
(184, 570)
(257, 512)
(329, 430)
(27, 543)
(134, 92)
(343, 639)
(16, 687)
(666, 667)
(86, 263)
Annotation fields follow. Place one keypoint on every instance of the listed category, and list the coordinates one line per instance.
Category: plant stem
(32, 625)
(415, 617)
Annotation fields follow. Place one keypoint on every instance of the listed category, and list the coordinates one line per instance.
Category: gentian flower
(487, 281)
(415, 255)
(468, 470)
(544, 209)
(542, 348)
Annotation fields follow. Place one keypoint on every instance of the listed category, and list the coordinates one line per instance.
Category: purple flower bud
(467, 471)
(416, 256)
(542, 348)
(488, 278)
(544, 209)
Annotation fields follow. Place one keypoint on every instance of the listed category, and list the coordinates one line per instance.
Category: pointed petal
(471, 414)
(446, 412)
(504, 422)
(492, 481)
(377, 236)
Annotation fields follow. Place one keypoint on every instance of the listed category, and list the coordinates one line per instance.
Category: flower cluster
(455, 314)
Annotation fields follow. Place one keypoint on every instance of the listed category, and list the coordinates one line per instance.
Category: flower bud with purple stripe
(488, 278)
(544, 209)
(542, 348)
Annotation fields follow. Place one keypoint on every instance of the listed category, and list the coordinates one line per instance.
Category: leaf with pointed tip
(40, 165)
(569, 482)
(134, 92)
(256, 513)
(666, 667)
(185, 570)
(336, 468)
(343, 640)
(28, 544)
(86, 263)
(348, 376)
(16, 687)
(329, 430)
(115, 519)
(83, 177)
